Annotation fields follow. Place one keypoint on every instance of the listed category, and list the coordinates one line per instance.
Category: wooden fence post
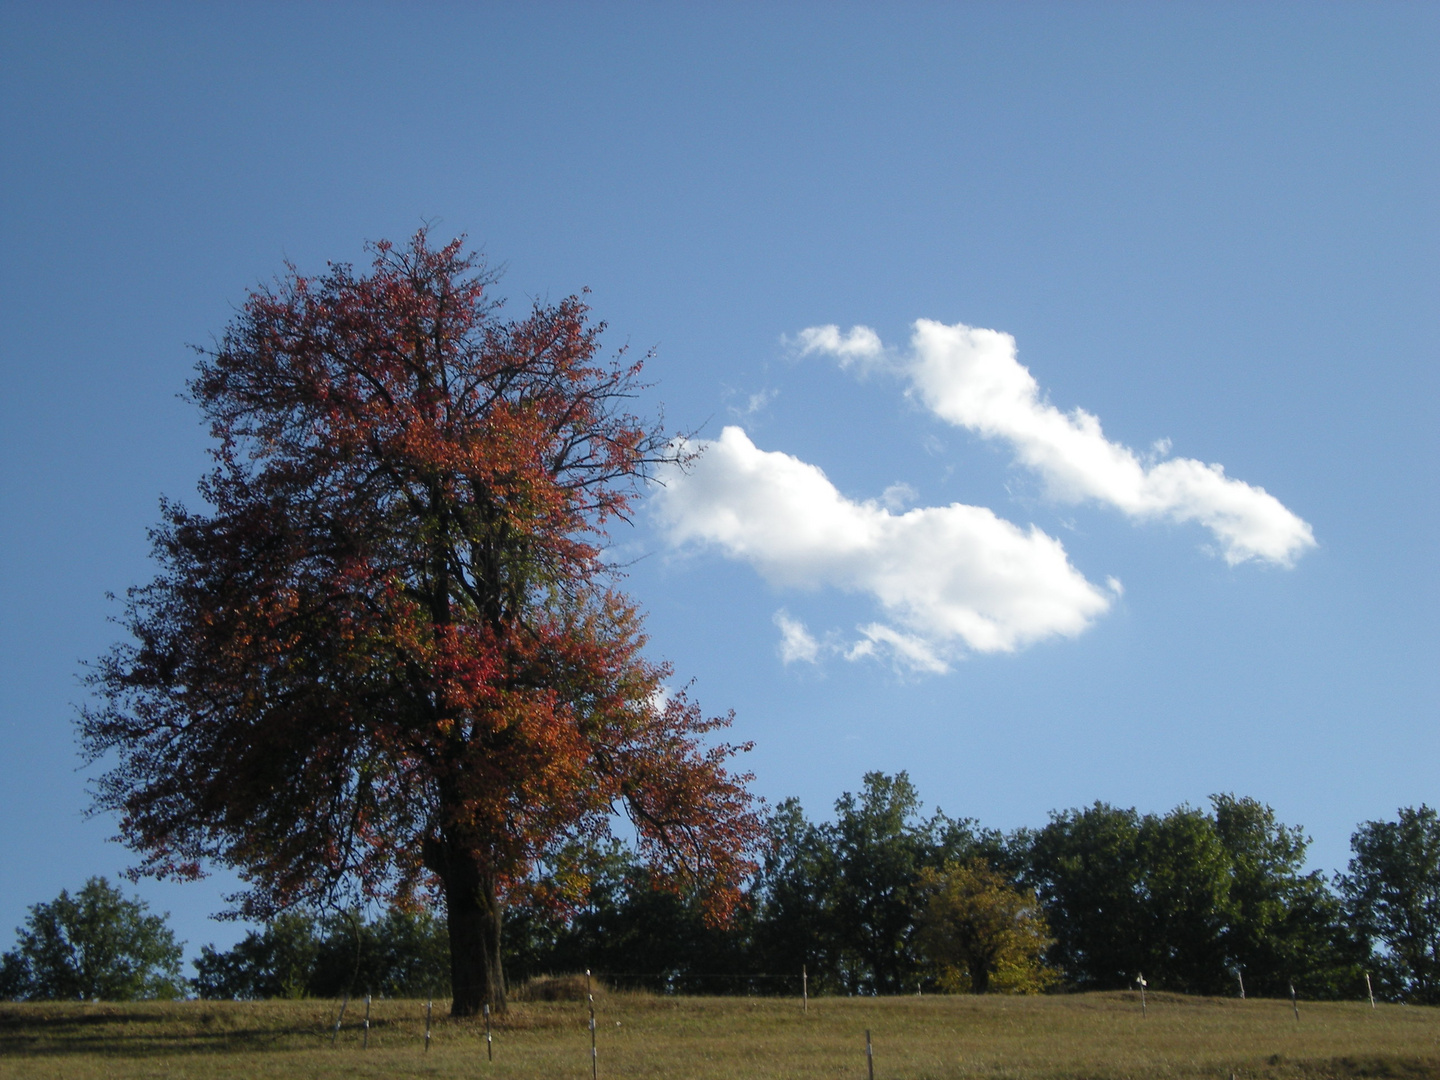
(1369, 990)
(339, 1019)
(805, 990)
(365, 1044)
(869, 1056)
(489, 1047)
(1294, 1004)
(594, 1054)
(429, 1002)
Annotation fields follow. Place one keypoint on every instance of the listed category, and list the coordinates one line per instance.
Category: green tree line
(881, 899)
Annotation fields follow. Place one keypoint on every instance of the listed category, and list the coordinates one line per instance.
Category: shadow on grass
(1349, 1068)
(137, 1031)
(65, 1044)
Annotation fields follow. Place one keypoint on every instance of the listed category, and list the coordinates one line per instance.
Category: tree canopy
(387, 652)
(1090, 901)
(1194, 900)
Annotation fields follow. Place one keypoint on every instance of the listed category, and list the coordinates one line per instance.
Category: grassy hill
(1089, 1036)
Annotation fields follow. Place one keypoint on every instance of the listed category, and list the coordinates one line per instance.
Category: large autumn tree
(387, 656)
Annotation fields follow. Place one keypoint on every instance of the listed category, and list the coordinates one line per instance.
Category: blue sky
(1212, 224)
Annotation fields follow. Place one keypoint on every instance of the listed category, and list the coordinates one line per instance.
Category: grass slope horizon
(1094, 1036)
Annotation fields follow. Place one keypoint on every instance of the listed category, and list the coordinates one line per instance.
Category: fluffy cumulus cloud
(949, 579)
(971, 378)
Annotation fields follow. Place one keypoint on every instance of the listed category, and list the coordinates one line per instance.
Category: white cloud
(796, 642)
(952, 578)
(972, 378)
(754, 403)
(898, 496)
(908, 650)
(861, 345)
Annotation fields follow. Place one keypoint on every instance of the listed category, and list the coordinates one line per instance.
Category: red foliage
(385, 656)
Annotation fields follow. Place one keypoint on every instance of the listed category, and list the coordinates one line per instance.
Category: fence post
(1369, 989)
(489, 1047)
(365, 1044)
(339, 1019)
(1294, 1004)
(805, 989)
(869, 1056)
(594, 1055)
(429, 1002)
(1144, 1011)
(1242, 983)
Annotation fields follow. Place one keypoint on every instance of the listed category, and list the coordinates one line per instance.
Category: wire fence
(704, 983)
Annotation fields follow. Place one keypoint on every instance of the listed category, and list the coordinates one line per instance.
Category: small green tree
(1089, 870)
(297, 955)
(980, 935)
(794, 900)
(1185, 894)
(1284, 926)
(278, 961)
(1393, 894)
(400, 954)
(94, 945)
(842, 897)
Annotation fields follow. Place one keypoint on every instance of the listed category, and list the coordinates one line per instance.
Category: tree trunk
(980, 974)
(473, 915)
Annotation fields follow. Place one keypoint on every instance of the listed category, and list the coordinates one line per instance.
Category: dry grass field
(1090, 1036)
